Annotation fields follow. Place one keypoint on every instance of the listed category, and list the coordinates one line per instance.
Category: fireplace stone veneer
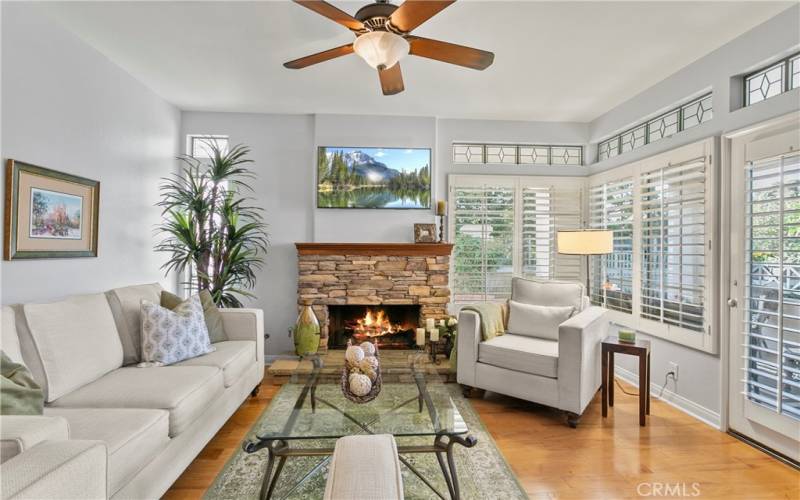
(373, 274)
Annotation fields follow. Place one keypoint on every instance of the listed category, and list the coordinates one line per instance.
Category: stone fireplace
(374, 277)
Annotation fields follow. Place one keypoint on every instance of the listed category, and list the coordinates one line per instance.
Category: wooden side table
(640, 348)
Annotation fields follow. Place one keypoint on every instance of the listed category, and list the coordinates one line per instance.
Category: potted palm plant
(216, 240)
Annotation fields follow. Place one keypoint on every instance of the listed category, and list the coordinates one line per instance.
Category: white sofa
(562, 373)
(150, 422)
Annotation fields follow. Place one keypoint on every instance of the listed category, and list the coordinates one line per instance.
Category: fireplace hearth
(390, 326)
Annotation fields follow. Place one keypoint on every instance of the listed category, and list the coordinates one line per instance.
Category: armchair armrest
(245, 324)
(579, 341)
(18, 433)
(469, 336)
(57, 470)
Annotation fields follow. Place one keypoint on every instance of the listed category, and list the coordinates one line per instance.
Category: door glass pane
(772, 309)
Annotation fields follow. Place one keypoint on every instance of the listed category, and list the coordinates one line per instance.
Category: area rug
(482, 471)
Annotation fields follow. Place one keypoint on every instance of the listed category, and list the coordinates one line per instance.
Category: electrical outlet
(673, 367)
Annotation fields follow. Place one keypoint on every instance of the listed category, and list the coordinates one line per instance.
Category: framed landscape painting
(392, 178)
(49, 214)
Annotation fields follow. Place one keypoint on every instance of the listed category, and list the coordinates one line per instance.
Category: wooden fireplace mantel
(403, 249)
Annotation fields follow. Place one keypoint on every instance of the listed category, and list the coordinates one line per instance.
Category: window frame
(787, 64)
(191, 138)
(484, 153)
(518, 185)
(708, 339)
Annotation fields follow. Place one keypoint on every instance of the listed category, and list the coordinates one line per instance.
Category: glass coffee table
(413, 403)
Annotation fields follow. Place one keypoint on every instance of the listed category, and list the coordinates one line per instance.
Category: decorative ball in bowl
(361, 375)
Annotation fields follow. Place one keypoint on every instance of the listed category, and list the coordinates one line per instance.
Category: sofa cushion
(184, 391)
(133, 437)
(76, 341)
(548, 293)
(9, 340)
(537, 321)
(216, 330)
(21, 432)
(524, 354)
(233, 357)
(125, 304)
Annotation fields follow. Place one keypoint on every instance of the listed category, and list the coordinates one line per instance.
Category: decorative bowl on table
(361, 374)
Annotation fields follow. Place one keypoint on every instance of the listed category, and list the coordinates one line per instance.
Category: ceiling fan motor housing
(375, 17)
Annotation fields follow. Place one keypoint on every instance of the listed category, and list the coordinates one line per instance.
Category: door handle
(732, 303)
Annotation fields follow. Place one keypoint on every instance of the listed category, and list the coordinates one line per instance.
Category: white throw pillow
(536, 321)
(548, 293)
(169, 336)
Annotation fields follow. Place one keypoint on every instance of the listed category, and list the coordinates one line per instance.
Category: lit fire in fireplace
(375, 323)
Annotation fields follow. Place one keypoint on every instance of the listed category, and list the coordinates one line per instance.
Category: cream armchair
(561, 369)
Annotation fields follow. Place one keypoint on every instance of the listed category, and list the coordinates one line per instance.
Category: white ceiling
(555, 61)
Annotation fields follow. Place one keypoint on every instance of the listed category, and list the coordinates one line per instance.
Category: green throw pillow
(19, 394)
(216, 333)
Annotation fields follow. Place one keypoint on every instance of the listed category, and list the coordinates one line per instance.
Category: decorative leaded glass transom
(683, 117)
(519, 154)
(772, 80)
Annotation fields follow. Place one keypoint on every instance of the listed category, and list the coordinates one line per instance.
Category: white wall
(67, 107)
(699, 373)
(284, 162)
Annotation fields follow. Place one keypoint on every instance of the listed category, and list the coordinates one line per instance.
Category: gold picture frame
(424, 233)
(49, 214)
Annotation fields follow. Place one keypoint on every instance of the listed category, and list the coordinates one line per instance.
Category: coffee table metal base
(279, 450)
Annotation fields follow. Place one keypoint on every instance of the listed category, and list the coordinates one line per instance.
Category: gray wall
(700, 373)
(67, 107)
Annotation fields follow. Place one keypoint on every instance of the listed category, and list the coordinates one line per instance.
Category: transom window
(676, 120)
(773, 80)
(517, 154)
(199, 146)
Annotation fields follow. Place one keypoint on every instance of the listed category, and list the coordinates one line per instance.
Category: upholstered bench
(365, 468)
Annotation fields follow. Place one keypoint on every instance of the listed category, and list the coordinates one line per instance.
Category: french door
(764, 303)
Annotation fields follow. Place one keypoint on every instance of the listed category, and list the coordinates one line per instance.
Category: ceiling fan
(383, 37)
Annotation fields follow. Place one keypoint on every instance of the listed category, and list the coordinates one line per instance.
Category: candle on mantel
(435, 335)
(441, 207)
(430, 323)
(420, 336)
(442, 323)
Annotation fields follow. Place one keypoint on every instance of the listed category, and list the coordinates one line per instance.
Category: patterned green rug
(482, 471)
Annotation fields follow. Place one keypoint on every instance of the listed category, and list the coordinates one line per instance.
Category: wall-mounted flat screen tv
(394, 178)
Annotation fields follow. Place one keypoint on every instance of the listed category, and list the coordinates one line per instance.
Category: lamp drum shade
(585, 242)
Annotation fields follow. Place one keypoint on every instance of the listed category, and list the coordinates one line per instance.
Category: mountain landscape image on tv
(373, 178)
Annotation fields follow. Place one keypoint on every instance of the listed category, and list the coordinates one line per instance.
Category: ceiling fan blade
(320, 57)
(450, 53)
(415, 12)
(333, 13)
(391, 80)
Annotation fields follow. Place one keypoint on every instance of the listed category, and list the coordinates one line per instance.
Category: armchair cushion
(548, 293)
(537, 321)
(19, 433)
(520, 353)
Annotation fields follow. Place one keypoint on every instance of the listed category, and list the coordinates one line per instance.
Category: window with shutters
(611, 207)
(659, 278)
(504, 227)
(673, 235)
(772, 280)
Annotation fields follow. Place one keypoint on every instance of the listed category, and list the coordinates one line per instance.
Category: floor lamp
(585, 242)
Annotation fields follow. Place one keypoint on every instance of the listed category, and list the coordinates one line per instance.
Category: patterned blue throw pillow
(170, 336)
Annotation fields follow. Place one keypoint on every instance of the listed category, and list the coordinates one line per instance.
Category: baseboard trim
(674, 399)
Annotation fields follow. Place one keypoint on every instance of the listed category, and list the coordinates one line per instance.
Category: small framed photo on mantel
(424, 233)
(49, 214)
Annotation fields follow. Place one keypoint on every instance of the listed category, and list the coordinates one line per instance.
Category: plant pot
(306, 332)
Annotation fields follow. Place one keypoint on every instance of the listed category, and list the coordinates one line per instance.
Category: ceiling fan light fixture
(381, 49)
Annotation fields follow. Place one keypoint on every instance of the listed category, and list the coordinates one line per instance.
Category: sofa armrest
(245, 324)
(469, 336)
(579, 341)
(19, 433)
(57, 470)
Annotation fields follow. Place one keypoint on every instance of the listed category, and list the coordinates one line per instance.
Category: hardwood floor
(602, 458)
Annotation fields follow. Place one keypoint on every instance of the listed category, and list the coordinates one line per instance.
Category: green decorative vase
(306, 332)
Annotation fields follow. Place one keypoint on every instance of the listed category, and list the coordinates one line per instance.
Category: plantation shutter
(772, 284)
(611, 207)
(673, 236)
(483, 218)
(545, 211)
